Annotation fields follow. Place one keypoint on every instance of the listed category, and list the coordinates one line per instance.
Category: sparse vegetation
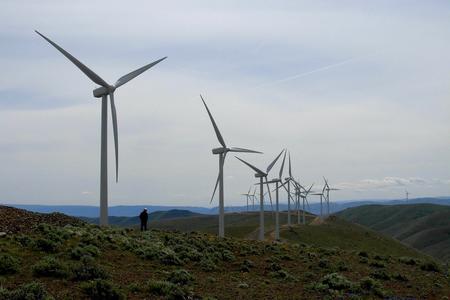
(113, 263)
(8, 264)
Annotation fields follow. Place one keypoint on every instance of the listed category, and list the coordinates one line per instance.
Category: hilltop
(83, 261)
(153, 217)
(425, 227)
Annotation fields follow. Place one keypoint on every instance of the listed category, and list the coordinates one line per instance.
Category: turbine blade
(252, 167)
(124, 79)
(236, 149)
(290, 169)
(116, 135)
(270, 194)
(215, 188)
(274, 162)
(88, 72)
(219, 136)
(282, 166)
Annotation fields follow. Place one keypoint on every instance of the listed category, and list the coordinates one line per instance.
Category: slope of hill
(423, 226)
(153, 217)
(88, 262)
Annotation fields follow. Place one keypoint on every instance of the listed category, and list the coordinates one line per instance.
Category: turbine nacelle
(220, 150)
(103, 91)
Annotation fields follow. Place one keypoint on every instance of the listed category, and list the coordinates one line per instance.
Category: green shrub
(8, 264)
(380, 274)
(29, 291)
(400, 277)
(24, 240)
(88, 250)
(341, 266)
(377, 264)
(100, 289)
(407, 260)
(336, 281)
(246, 265)
(169, 257)
(363, 260)
(46, 245)
(283, 275)
(372, 286)
(50, 267)
(167, 289)
(227, 255)
(88, 270)
(363, 254)
(324, 263)
(243, 285)
(180, 277)
(206, 264)
(430, 266)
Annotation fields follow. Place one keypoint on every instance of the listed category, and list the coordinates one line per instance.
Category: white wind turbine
(222, 152)
(277, 181)
(247, 196)
(262, 175)
(103, 92)
(327, 189)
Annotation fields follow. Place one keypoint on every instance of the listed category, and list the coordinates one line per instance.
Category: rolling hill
(423, 226)
(153, 217)
(80, 261)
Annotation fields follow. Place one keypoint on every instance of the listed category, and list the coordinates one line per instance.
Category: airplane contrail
(293, 77)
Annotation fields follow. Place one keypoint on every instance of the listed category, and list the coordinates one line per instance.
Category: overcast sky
(358, 91)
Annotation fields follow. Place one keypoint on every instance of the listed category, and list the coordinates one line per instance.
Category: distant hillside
(153, 217)
(133, 210)
(423, 226)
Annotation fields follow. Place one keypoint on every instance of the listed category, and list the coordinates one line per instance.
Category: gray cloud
(384, 114)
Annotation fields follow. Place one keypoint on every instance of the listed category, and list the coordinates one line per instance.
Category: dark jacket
(143, 216)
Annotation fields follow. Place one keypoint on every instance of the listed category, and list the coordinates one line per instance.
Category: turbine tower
(222, 152)
(407, 195)
(103, 92)
(288, 180)
(321, 201)
(262, 176)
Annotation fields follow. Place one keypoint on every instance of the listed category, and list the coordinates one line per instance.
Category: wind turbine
(327, 189)
(247, 196)
(407, 195)
(289, 179)
(305, 198)
(253, 199)
(261, 175)
(103, 92)
(277, 211)
(222, 152)
(321, 200)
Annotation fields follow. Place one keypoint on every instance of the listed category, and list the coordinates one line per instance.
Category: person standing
(144, 218)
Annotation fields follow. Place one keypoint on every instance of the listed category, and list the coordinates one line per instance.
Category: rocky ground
(13, 220)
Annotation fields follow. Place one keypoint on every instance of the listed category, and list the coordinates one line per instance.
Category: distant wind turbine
(262, 176)
(277, 181)
(407, 195)
(103, 92)
(327, 189)
(222, 152)
(247, 196)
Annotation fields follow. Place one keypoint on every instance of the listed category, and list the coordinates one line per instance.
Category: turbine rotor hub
(103, 91)
(220, 150)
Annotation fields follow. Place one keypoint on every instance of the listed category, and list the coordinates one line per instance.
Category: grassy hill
(423, 226)
(153, 217)
(88, 262)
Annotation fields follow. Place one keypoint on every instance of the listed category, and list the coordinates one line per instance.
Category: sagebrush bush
(100, 289)
(167, 289)
(50, 267)
(408, 260)
(180, 276)
(336, 281)
(46, 245)
(84, 250)
(430, 266)
(8, 264)
(29, 291)
(380, 274)
(206, 264)
(88, 270)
